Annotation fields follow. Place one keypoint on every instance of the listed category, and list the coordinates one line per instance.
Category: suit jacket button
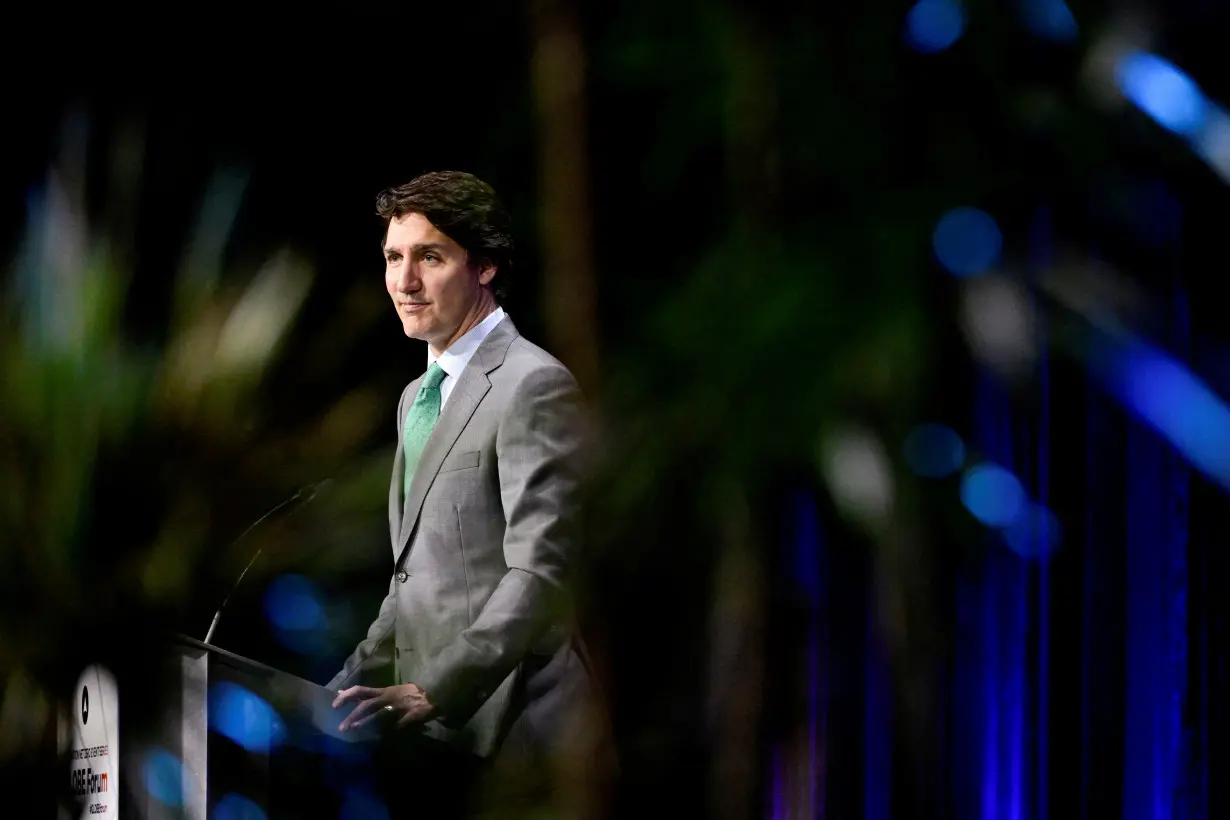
(402, 576)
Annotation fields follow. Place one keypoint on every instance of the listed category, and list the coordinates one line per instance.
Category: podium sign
(94, 744)
(223, 730)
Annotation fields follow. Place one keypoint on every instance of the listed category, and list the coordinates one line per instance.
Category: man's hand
(407, 703)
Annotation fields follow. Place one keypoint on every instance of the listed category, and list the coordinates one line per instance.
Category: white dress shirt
(454, 360)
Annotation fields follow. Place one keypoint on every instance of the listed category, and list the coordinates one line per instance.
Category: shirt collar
(454, 360)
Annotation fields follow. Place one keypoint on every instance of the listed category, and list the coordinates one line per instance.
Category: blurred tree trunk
(558, 69)
(568, 299)
(738, 646)
(750, 116)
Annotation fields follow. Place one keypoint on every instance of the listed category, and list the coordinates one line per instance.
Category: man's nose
(408, 280)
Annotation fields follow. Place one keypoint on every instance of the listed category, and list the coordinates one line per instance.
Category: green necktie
(419, 421)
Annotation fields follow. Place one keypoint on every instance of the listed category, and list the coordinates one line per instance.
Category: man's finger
(355, 717)
(354, 693)
(358, 712)
(361, 722)
(378, 708)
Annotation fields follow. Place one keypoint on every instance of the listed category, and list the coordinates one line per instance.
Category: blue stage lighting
(934, 451)
(992, 495)
(245, 717)
(967, 241)
(934, 25)
(1163, 92)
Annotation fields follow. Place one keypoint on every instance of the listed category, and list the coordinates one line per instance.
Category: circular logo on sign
(85, 704)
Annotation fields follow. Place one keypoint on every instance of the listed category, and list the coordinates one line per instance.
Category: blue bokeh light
(934, 25)
(292, 603)
(163, 774)
(360, 804)
(1050, 19)
(1213, 142)
(967, 241)
(310, 642)
(934, 451)
(993, 495)
(1163, 92)
(237, 807)
(245, 717)
(1036, 532)
(1181, 407)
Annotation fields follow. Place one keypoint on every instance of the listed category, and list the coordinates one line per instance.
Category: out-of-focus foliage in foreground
(125, 463)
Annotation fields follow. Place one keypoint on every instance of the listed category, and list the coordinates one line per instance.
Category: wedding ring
(388, 708)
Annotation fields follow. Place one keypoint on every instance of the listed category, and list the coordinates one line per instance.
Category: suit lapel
(469, 391)
(396, 490)
(399, 468)
(466, 395)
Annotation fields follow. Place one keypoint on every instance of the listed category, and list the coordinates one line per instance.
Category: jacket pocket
(460, 461)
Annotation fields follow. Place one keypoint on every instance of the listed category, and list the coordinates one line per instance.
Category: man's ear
(486, 271)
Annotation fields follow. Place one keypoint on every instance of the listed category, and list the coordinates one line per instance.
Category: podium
(232, 734)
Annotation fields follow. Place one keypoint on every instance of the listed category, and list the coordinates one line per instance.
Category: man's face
(432, 282)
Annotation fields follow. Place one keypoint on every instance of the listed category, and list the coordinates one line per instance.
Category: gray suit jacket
(477, 612)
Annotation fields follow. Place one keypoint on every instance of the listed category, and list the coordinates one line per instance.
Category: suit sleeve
(371, 662)
(539, 454)
(375, 652)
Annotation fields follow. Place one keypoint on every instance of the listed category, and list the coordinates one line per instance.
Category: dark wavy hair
(464, 208)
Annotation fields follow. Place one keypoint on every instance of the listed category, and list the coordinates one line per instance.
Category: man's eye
(431, 257)
(393, 258)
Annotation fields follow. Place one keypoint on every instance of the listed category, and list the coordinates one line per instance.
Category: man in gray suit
(474, 639)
